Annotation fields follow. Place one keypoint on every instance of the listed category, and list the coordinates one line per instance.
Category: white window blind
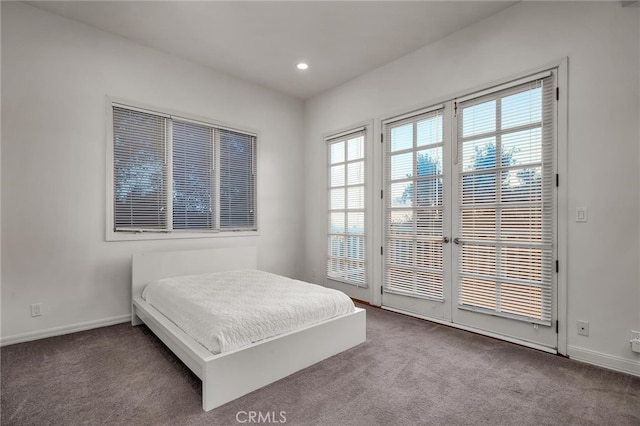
(237, 180)
(505, 166)
(140, 170)
(414, 205)
(346, 259)
(193, 176)
(177, 175)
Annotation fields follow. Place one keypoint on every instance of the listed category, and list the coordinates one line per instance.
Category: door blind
(414, 205)
(505, 167)
(346, 257)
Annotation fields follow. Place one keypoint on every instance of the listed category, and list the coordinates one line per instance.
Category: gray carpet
(409, 372)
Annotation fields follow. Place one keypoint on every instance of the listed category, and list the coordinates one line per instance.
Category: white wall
(601, 41)
(56, 74)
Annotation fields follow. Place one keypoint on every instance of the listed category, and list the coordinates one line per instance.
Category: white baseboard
(58, 331)
(600, 359)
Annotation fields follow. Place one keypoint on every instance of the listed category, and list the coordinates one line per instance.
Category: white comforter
(227, 310)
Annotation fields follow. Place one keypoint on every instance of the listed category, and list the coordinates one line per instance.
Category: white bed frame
(230, 375)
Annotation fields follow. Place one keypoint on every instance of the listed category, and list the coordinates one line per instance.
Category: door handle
(445, 240)
(456, 240)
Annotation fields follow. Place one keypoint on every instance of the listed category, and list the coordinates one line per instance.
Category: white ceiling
(261, 41)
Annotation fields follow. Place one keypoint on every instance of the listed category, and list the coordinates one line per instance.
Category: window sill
(145, 236)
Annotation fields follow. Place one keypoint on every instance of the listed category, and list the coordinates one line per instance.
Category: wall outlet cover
(36, 309)
(583, 328)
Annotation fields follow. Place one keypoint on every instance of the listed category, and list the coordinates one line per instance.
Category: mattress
(227, 310)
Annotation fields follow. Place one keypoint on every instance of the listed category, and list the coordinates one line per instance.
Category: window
(172, 175)
(505, 145)
(414, 225)
(346, 194)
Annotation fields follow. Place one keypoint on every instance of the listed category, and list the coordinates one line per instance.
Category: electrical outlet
(583, 328)
(36, 309)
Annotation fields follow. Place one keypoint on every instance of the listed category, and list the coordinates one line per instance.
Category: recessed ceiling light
(302, 66)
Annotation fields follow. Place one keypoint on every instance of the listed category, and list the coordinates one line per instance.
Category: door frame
(561, 208)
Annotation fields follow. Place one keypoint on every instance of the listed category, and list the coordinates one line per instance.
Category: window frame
(344, 136)
(110, 232)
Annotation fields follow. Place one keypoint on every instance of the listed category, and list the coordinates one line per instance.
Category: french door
(470, 212)
(418, 217)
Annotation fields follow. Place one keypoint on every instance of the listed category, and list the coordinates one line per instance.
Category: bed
(230, 374)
